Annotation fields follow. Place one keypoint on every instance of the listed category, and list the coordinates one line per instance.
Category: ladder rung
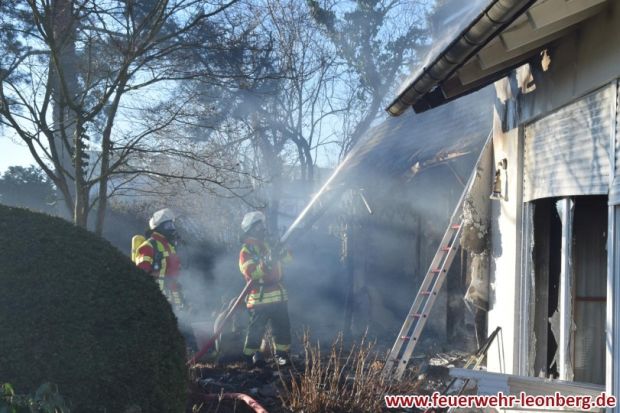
(425, 292)
(436, 270)
(455, 226)
(446, 248)
(405, 338)
(417, 315)
(398, 360)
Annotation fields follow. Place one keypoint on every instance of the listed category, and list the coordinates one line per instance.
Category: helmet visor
(168, 226)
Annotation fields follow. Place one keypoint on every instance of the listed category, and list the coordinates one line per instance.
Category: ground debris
(425, 375)
(433, 370)
(262, 384)
(449, 359)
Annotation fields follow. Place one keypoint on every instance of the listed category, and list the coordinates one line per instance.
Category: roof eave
(495, 18)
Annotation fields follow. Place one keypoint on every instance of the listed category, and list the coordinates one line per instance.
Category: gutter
(492, 21)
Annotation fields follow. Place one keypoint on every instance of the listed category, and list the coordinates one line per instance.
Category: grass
(342, 381)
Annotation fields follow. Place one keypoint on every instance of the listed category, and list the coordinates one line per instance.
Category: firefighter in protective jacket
(157, 255)
(267, 300)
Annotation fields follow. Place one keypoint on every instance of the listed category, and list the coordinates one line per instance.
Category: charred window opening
(547, 263)
(586, 277)
(590, 288)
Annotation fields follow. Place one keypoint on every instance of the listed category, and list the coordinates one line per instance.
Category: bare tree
(377, 41)
(305, 101)
(66, 72)
(285, 110)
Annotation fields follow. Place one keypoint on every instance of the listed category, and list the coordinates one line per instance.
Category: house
(554, 269)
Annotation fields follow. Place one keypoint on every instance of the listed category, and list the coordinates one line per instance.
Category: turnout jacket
(158, 257)
(254, 264)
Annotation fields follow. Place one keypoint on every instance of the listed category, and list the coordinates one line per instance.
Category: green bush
(45, 400)
(74, 311)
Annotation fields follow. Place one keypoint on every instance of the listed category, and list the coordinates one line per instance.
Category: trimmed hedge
(76, 312)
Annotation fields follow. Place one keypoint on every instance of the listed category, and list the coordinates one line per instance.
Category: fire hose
(209, 344)
(253, 404)
(220, 326)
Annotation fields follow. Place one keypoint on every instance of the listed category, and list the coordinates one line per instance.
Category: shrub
(76, 312)
(45, 400)
(344, 381)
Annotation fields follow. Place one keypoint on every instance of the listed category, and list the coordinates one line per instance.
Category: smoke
(412, 171)
(388, 251)
(314, 281)
(317, 286)
(396, 245)
(448, 20)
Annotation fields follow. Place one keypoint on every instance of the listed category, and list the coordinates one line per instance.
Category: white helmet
(252, 218)
(160, 217)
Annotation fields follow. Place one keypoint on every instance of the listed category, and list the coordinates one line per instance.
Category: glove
(266, 265)
(278, 252)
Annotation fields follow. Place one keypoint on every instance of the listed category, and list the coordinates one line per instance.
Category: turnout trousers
(260, 316)
(172, 290)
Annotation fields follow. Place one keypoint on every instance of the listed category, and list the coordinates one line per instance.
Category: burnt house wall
(391, 249)
(412, 170)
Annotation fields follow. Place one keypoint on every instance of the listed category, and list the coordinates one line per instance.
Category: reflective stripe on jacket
(169, 263)
(253, 264)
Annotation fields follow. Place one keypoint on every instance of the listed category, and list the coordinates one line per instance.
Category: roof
(480, 41)
(403, 145)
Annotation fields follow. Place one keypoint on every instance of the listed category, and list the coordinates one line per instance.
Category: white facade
(584, 68)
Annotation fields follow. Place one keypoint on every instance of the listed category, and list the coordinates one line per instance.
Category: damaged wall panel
(530, 287)
(569, 262)
(505, 253)
(475, 240)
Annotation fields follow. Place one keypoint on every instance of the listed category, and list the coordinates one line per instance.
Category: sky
(13, 153)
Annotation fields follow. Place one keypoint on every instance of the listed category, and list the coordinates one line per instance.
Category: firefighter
(267, 300)
(157, 256)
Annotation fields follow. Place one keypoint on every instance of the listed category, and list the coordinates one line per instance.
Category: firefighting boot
(258, 360)
(282, 359)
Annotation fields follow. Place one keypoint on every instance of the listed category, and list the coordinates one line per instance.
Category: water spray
(313, 202)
